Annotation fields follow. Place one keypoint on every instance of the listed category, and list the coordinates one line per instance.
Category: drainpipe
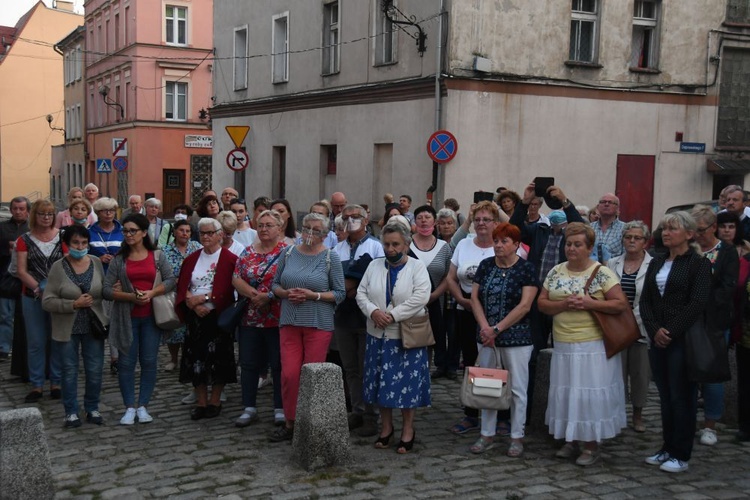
(438, 100)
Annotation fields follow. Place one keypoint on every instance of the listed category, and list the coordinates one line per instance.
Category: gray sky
(12, 10)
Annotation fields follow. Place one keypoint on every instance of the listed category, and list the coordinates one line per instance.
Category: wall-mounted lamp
(203, 114)
(49, 122)
(104, 91)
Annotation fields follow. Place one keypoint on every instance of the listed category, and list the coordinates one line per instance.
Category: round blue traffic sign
(442, 146)
(120, 163)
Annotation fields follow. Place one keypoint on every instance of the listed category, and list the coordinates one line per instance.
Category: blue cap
(557, 217)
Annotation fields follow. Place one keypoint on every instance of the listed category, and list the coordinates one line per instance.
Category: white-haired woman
(159, 230)
(228, 222)
(392, 290)
(309, 281)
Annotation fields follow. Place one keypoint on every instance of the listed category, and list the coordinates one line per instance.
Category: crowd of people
(497, 285)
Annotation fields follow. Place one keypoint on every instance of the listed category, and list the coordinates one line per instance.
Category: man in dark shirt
(10, 230)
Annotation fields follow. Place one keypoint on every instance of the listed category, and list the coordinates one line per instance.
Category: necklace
(632, 268)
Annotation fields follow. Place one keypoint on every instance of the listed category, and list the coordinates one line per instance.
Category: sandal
(588, 457)
(515, 450)
(638, 425)
(405, 447)
(383, 441)
(467, 424)
(568, 450)
(484, 443)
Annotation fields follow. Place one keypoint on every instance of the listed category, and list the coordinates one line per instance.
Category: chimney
(64, 5)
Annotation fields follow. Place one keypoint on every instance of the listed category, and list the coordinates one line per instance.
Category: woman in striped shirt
(309, 281)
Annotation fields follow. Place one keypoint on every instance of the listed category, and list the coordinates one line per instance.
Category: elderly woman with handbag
(392, 291)
(504, 289)
(73, 298)
(130, 283)
(204, 290)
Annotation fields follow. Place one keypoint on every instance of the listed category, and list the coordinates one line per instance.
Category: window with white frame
(68, 130)
(78, 62)
(385, 37)
(331, 40)
(280, 48)
(176, 24)
(79, 122)
(584, 31)
(240, 58)
(66, 68)
(175, 101)
(645, 34)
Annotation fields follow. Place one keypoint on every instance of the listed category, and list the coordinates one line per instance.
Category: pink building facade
(148, 84)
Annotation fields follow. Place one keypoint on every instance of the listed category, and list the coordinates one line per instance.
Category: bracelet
(317, 299)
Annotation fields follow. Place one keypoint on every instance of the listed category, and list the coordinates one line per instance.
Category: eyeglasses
(356, 217)
(608, 202)
(107, 211)
(483, 220)
(261, 227)
(632, 237)
(129, 232)
(208, 233)
(701, 230)
(314, 232)
(46, 214)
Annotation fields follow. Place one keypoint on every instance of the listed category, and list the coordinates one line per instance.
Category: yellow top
(577, 326)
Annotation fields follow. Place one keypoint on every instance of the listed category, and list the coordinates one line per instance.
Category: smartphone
(541, 184)
(483, 196)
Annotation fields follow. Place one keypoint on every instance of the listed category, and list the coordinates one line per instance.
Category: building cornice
(148, 124)
(390, 91)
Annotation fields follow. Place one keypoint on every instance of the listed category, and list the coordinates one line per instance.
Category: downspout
(438, 99)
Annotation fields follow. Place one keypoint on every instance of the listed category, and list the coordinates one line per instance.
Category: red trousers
(299, 345)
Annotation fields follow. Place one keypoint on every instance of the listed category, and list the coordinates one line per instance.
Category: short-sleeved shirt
(500, 291)
(577, 326)
(466, 258)
(611, 238)
(253, 265)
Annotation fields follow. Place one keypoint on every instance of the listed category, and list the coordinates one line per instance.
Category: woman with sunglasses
(132, 329)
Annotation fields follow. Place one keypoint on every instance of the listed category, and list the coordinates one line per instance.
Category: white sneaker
(278, 417)
(190, 399)
(249, 416)
(658, 458)
(223, 397)
(674, 465)
(143, 416)
(708, 437)
(129, 417)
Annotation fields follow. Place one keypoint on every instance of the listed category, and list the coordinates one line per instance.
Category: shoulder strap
(591, 278)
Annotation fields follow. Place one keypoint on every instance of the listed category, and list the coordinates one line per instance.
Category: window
(175, 101)
(127, 25)
(278, 172)
(68, 131)
(117, 31)
(79, 122)
(66, 68)
(733, 127)
(106, 36)
(738, 11)
(240, 58)
(331, 40)
(78, 62)
(176, 27)
(584, 31)
(645, 34)
(385, 36)
(280, 49)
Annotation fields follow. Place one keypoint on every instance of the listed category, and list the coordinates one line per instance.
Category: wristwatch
(271, 296)
(208, 299)
(496, 330)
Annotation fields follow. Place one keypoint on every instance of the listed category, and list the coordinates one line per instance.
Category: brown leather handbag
(619, 330)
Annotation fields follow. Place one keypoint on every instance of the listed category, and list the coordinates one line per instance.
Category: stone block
(25, 469)
(321, 432)
(541, 391)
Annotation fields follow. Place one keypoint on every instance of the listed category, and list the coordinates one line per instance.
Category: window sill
(583, 64)
(176, 119)
(650, 71)
(280, 82)
(330, 74)
(382, 64)
(734, 24)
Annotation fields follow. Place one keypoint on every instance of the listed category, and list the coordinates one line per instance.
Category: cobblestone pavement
(176, 457)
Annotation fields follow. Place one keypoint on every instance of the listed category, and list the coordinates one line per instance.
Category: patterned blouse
(500, 291)
(252, 265)
(175, 258)
(83, 281)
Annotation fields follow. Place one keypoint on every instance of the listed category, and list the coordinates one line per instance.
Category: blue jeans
(677, 396)
(38, 337)
(145, 350)
(259, 347)
(7, 311)
(92, 351)
(713, 396)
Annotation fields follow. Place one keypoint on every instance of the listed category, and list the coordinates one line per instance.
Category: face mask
(394, 259)
(79, 221)
(78, 254)
(307, 239)
(353, 225)
(425, 231)
(180, 217)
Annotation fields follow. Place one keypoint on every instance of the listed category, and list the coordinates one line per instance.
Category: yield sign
(442, 146)
(237, 133)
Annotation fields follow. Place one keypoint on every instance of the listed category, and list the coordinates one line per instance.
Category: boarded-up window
(734, 99)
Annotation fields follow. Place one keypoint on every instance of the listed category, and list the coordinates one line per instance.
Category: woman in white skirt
(586, 396)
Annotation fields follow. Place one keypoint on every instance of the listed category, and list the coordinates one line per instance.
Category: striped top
(319, 273)
(437, 260)
(627, 282)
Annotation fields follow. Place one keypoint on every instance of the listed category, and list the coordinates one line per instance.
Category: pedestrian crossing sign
(103, 165)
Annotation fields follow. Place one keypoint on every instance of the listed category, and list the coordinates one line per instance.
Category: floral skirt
(176, 336)
(208, 353)
(395, 377)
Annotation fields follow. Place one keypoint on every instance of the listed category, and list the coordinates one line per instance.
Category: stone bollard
(321, 432)
(541, 390)
(25, 470)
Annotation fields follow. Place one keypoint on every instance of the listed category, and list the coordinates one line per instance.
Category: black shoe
(198, 413)
(355, 421)
(406, 445)
(113, 367)
(281, 434)
(55, 393)
(213, 411)
(33, 397)
(439, 373)
(94, 417)
(451, 375)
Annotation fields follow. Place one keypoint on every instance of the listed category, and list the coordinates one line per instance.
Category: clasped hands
(381, 319)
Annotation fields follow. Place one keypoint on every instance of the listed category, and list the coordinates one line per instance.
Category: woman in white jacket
(631, 268)
(392, 290)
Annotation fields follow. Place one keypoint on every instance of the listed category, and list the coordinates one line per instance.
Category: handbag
(619, 330)
(98, 329)
(706, 353)
(165, 315)
(10, 286)
(486, 388)
(417, 332)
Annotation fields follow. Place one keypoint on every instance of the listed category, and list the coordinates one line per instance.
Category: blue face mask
(395, 259)
(78, 254)
(79, 221)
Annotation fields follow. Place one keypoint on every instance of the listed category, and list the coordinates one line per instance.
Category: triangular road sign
(237, 133)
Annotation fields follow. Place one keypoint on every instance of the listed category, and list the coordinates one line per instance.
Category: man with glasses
(350, 325)
(10, 230)
(227, 196)
(609, 227)
(245, 234)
